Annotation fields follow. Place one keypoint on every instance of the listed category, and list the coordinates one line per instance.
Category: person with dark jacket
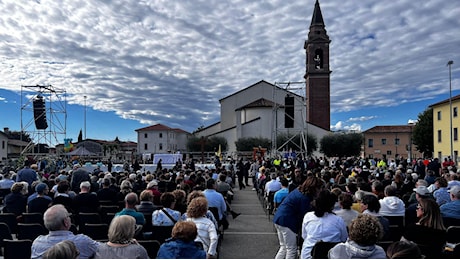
(86, 201)
(107, 193)
(16, 201)
(288, 218)
(41, 202)
(79, 175)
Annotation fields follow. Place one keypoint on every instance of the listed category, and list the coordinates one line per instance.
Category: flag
(219, 152)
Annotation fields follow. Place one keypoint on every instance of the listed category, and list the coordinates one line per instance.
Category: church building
(265, 109)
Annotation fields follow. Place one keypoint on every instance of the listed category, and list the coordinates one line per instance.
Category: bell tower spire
(317, 76)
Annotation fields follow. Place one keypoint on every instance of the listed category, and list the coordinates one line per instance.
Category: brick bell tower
(317, 76)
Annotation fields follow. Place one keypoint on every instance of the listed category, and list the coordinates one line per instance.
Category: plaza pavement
(251, 235)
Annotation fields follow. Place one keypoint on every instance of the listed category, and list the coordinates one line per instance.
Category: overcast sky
(145, 62)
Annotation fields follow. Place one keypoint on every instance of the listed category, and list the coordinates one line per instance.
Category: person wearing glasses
(429, 232)
(57, 221)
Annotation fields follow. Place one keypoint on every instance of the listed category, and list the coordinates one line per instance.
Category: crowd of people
(347, 202)
(352, 203)
(168, 198)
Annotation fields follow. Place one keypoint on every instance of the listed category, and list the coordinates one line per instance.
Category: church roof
(261, 102)
(317, 15)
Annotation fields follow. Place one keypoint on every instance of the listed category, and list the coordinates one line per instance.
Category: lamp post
(84, 119)
(449, 64)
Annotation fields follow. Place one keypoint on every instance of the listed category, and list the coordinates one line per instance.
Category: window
(384, 141)
(455, 134)
(397, 141)
(370, 143)
(439, 115)
(160, 146)
(146, 146)
(145, 135)
(3, 144)
(454, 112)
(389, 152)
(439, 136)
(161, 136)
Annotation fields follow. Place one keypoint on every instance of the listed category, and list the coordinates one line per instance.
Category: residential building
(161, 139)
(390, 142)
(441, 128)
(3, 146)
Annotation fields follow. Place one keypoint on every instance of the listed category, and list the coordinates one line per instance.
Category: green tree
(294, 142)
(422, 134)
(247, 143)
(341, 145)
(80, 136)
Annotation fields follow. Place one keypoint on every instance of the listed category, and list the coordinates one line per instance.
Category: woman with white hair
(121, 244)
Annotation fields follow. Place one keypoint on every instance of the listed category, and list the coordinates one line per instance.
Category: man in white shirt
(273, 185)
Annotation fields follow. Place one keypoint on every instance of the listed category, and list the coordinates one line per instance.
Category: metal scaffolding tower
(300, 124)
(52, 115)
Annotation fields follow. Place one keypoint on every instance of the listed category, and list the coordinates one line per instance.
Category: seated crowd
(361, 209)
(352, 208)
(191, 205)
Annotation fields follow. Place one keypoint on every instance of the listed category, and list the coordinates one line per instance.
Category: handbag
(169, 216)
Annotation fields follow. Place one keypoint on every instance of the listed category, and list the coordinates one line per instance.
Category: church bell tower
(317, 76)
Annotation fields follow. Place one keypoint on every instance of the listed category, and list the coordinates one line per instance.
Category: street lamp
(84, 119)
(449, 64)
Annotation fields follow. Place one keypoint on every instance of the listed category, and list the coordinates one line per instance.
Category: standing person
(253, 172)
(321, 224)
(109, 165)
(288, 217)
(121, 244)
(57, 221)
(365, 231)
(247, 166)
(429, 232)
(27, 174)
(240, 172)
(79, 175)
(159, 166)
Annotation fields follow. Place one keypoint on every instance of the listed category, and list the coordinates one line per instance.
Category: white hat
(151, 184)
(422, 190)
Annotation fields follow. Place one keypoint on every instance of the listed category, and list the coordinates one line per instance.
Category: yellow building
(442, 135)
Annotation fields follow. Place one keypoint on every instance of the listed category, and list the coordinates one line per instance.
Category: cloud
(342, 126)
(171, 61)
(361, 118)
